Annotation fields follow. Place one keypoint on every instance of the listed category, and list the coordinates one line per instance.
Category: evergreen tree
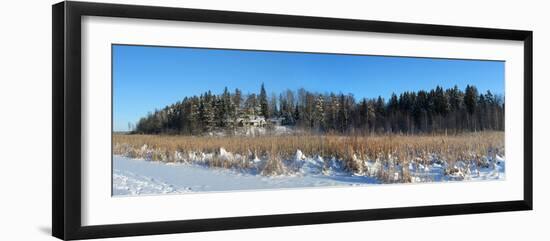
(237, 105)
(263, 102)
(436, 110)
(470, 101)
(206, 112)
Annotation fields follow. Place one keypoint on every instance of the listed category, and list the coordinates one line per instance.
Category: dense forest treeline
(426, 111)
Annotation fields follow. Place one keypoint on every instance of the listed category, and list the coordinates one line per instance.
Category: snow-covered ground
(137, 176)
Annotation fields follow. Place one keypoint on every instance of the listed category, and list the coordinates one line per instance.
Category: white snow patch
(190, 172)
(128, 183)
(299, 156)
(225, 155)
(139, 177)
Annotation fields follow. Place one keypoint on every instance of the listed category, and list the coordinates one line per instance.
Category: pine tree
(206, 112)
(225, 109)
(442, 105)
(193, 116)
(393, 112)
(363, 113)
(380, 110)
(263, 102)
(219, 112)
(470, 101)
(425, 111)
(237, 103)
(296, 114)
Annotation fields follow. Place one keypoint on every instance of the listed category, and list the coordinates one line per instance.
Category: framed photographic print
(170, 120)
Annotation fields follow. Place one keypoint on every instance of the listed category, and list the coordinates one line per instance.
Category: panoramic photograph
(195, 120)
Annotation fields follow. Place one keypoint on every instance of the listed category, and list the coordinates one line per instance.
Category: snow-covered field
(138, 176)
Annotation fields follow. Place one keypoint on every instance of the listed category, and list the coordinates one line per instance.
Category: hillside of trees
(426, 111)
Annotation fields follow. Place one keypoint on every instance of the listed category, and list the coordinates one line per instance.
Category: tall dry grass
(392, 151)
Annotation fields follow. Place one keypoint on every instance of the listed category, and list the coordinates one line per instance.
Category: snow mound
(312, 166)
(225, 155)
(256, 159)
(299, 156)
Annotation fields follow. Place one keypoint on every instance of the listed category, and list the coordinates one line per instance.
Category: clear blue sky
(148, 78)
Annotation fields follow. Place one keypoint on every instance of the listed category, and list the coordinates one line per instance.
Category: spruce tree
(470, 101)
(264, 106)
(425, 111)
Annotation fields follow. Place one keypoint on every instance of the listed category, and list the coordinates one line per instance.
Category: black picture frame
(66, 127)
